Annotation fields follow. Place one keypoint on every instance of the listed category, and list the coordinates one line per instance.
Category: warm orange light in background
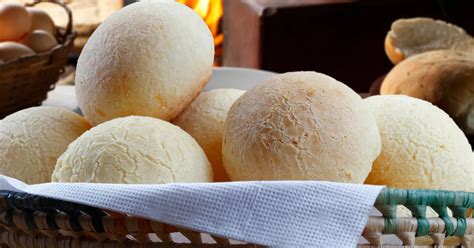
(211, 11)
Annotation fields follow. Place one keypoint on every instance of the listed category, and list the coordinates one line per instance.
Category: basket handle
(68, 12)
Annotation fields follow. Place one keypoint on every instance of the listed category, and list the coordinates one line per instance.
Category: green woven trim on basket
(460, 228)
(391, 197)
(390, 226)
(418, 200)
(388, 211)
(390, 214)
(419, 211)
(443, 214)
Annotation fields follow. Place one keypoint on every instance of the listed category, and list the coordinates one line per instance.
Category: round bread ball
(444, 78)
(14, 21)
(150, 59)
(134, 150)
(40, 20)
(422, 148)
(31, 141)
(12, 50)
(204, 120)
(39, 41)
(300, 126)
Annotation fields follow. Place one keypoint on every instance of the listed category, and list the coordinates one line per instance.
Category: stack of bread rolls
(24, 31)
(409, 37)
(140, 69)
(139, 83)
(434, 61)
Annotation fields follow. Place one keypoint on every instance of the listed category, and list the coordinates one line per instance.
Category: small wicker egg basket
(25, 82)
(33, 221)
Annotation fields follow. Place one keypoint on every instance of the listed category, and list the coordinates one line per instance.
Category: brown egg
(15, 22)
(39, 41)
(12, 50)
(41, 20)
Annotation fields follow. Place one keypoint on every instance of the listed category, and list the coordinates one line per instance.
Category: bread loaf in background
(408, 37)
(444, 78)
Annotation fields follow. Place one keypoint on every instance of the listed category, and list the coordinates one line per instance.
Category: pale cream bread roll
(422, 147)
(300, 126)
(133, 149)
(31, 141)
(204, 119)
(150, 58)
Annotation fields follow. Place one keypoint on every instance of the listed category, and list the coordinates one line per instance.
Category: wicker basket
(25, 82)
(33, 221)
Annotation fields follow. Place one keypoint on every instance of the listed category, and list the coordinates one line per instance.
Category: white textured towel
(279, 214)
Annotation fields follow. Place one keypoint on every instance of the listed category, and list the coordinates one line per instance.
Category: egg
(15, 21)
(40, 20)
(12, 50)
(39, 41)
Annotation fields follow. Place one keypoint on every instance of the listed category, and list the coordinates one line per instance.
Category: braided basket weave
(25, 82)
(33, 221)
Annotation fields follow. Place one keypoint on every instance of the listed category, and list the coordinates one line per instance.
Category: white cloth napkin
(272, 213)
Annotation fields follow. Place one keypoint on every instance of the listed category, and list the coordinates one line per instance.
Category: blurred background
(341, 38)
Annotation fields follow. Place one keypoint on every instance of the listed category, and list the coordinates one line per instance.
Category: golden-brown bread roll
(204, 119)
(149, 58)
(408, 37)
(465, 46)
(444, 78)
(300, 126)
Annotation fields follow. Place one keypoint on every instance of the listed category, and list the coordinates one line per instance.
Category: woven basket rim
(65, 36)
(28, 58)
(387, 197)
(33, 219)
